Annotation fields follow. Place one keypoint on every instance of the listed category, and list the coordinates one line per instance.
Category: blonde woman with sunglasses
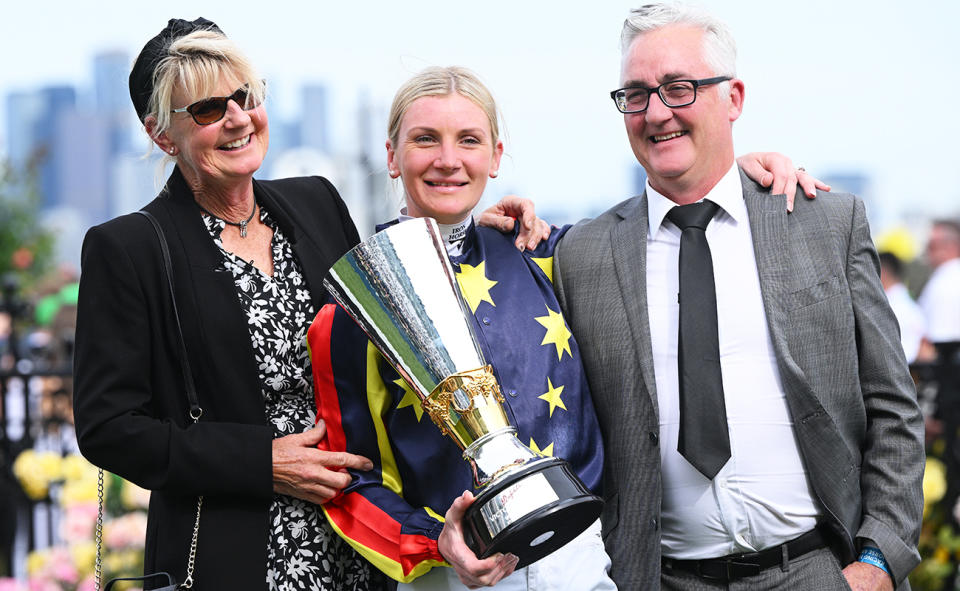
(248, 258)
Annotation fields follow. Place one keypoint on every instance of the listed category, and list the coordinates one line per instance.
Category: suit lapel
(776, 267)
(768, 226)
(311, 261)
(629, 242)
(313, 256)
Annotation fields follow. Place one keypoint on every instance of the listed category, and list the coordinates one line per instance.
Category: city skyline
(88, 169)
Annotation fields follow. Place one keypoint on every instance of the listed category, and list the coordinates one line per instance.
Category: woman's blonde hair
(195, 64)
(437, 81)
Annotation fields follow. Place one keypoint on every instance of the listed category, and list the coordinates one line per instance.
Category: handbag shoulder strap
(195, 410)
(195, 413)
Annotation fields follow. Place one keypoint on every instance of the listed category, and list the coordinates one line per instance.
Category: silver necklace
(242, 224)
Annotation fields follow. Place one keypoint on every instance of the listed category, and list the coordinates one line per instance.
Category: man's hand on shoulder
(503, 215)
(776, 171)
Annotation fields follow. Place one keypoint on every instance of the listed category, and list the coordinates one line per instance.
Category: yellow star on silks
(409, 398)
(552, 395)
(545, 263)
(475, 285)
(547, 451)
(557, 333)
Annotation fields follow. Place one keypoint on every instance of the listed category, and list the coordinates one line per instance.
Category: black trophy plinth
(531, 512)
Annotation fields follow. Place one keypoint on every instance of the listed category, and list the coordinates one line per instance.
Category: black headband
(141, 76)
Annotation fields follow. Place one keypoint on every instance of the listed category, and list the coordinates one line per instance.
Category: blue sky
(828, 82)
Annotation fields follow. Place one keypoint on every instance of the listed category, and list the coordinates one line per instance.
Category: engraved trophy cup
(400, 288)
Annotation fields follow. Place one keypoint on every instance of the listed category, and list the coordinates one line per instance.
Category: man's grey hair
(719, 47)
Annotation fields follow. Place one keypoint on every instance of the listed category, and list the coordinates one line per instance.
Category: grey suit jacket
(847, 386)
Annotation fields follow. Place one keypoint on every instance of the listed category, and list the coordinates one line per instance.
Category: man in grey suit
(818, 482)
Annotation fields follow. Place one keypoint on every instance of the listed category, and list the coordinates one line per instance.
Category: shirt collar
(727, 193)
(453, 234)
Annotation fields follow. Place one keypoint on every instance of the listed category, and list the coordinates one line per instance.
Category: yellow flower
(78, 491)
(50, 464)
(132, 560)
(24, 462)
(36, 562)
(941, 555)
(125, 586)
(35, 488)
(123, 563)
(84, 555)
(934, 481)
(35, 470)
(76, 467)
(113, 562)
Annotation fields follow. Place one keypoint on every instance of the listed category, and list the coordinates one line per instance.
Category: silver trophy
(400, 288)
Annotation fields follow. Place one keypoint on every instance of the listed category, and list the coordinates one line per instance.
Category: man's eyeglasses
(675, 93)
(212, 109)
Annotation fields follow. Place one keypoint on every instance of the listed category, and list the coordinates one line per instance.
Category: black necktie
(704, 440)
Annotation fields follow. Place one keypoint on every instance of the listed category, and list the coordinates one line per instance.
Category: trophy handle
(467, 406)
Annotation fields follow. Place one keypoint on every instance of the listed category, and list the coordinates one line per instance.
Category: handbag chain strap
(195, 413)
(98, 535)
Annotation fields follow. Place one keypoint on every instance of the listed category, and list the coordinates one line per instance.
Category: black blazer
(130, 405)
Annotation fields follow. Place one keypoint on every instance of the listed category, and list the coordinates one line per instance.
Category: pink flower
(8, 584)
(42, 585)
(60, 566)
(65, 573)
(126, 531)
(79, 522)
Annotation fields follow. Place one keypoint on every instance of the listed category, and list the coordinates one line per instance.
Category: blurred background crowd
(48, 492)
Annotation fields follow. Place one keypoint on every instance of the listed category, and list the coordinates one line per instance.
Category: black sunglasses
(212, 109)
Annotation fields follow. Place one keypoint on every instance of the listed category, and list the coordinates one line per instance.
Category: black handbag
(195, 413)
(171, 585)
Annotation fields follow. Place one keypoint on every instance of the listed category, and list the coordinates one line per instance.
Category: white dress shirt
(910, 317)
(761, 497)
(940, 301)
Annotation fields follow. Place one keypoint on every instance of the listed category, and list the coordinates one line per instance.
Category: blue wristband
(875, 557)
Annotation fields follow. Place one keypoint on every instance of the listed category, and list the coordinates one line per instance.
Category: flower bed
(71, 483)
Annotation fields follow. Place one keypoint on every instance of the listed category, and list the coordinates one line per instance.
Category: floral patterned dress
(303, 552)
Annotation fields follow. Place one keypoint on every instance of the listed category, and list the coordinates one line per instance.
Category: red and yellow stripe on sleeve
(371, 516)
